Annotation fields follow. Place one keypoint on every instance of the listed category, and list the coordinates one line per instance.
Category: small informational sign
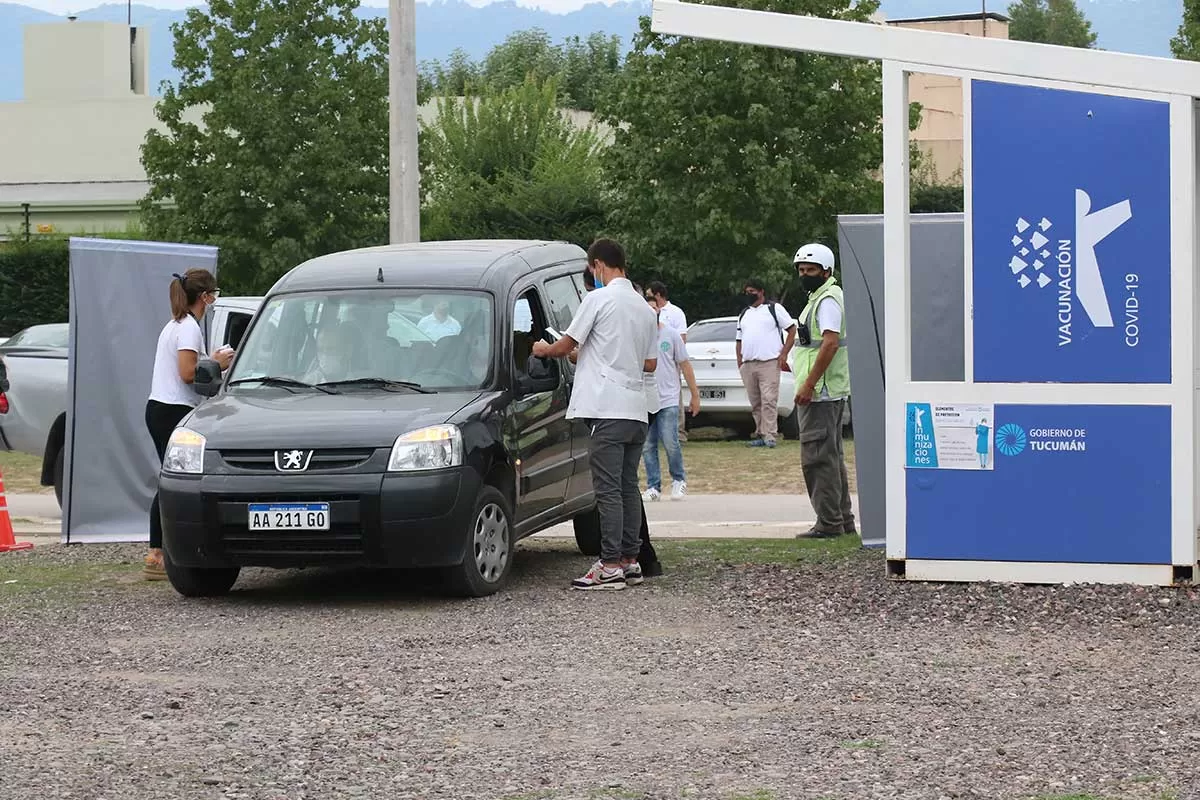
(950, 436)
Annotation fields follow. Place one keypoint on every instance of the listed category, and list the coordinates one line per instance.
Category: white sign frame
(905, 51)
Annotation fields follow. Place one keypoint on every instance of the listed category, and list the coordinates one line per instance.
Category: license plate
(712, 394)
(289, 516)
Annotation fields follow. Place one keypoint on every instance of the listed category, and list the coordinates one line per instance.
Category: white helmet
(814, 253)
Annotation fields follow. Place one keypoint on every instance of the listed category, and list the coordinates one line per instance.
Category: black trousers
(161, 421)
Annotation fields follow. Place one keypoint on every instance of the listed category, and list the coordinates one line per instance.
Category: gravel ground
(811, 680)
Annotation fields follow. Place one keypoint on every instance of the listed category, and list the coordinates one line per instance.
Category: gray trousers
(616, 452)
(824, 463)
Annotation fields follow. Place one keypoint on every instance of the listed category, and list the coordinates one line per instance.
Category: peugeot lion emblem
(292, 460)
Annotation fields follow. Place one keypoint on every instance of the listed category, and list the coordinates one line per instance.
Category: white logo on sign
(1072, 265)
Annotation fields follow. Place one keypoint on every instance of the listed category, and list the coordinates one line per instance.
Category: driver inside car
(335, 349)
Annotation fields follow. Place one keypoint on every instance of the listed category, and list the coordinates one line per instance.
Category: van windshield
(438, 340)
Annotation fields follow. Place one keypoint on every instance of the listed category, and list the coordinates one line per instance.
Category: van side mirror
(541, 375)
(207, 380)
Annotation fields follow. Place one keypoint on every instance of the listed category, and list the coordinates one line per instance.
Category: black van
(385, 409)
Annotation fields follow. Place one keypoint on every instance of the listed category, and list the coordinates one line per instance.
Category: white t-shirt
(165, 385)
(760, 334)
(673, 317)
(435, 329)
(671, 353)
(616, 332)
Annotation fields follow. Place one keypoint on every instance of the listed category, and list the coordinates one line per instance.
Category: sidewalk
(36, 517)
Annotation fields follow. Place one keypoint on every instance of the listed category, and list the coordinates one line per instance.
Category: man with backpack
(765, 335)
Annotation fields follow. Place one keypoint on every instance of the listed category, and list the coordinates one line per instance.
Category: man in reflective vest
(823, 383)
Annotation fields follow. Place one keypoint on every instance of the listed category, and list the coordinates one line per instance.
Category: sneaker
(153, 569)
(652, 495)
(756, 443)
(633, 574)
(679, 490)
(601, 577)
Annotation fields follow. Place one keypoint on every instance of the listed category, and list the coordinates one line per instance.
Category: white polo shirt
(673, 317)
(760, 334)
(617, 332)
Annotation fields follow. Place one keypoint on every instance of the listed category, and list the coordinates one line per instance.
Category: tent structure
(1068, 451)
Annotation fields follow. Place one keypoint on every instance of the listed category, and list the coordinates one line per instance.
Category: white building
(70, 151)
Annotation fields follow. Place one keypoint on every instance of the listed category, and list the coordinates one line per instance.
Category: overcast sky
(67, 6)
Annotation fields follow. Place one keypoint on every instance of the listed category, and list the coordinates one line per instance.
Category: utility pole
(404, 170)
(984, 17)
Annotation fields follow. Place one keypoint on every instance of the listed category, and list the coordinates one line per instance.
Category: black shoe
(652, 569)
(813, 533)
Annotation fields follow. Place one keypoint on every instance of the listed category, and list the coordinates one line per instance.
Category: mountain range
(1134, 26)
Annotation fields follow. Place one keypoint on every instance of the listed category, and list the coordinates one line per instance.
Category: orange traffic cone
(8, 540)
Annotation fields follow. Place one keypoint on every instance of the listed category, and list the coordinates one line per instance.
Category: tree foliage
(726, 158)
(1186, 44)
(1050, 22)
(582, 68)
(506, 163)
(33, 283)
(275, 142)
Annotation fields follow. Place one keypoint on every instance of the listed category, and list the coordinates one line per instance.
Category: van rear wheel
(587, 532)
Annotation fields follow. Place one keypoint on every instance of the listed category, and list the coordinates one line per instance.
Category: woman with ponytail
(180, 348)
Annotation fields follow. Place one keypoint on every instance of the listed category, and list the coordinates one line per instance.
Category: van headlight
(185, 452)
(436, 447)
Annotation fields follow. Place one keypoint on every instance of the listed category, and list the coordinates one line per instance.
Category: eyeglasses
(215, 292)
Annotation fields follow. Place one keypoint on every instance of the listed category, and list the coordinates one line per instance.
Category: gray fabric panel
(118, 307)
(937, 259)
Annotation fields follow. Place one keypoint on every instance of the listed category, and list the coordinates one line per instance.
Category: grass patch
(700, 554)
(733, 468)
(22, 473)
(862, 744)
(19, 579)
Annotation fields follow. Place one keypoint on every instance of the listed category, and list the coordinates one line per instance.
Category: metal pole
(984, 18)
(25, 206)
(404, 177)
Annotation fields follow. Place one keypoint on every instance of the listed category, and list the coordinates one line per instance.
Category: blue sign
(1075, 484)
(1071, 243)
(922, 447)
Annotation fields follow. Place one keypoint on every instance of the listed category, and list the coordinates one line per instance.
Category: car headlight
(436, 447)
(185, 452)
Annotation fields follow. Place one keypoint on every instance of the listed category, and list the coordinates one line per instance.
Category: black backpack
(771, 308)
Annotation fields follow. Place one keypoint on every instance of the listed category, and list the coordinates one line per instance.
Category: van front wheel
(488, 560)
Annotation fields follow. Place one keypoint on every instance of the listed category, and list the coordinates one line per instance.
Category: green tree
(458, 75)
(1050, 22)
(522, 55)
(275, 142)
(589, 68)
(1186, 44)
(726, 158)
(507, 163)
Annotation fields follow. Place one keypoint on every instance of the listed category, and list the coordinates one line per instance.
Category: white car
(712, 349)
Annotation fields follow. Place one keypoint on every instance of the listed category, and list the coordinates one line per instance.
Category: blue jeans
(664, 428)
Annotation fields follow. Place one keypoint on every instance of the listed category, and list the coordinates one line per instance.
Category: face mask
(812, 282)
(751, 298)
(596, 277)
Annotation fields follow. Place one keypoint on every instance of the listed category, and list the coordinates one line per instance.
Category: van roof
(466, 264)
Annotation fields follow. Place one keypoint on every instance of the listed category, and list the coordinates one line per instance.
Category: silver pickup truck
(33, 383)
